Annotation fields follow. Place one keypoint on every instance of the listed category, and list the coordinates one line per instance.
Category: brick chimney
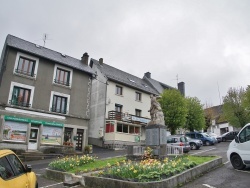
(147, 74)
(85, 58)
(101, 61)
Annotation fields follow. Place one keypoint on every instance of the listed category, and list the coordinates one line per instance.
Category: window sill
(60, 85)
(25, 76)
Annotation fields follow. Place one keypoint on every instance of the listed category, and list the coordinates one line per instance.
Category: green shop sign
(27, 120)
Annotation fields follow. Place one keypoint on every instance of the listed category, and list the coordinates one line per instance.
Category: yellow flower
(135, 171)
(118, 170)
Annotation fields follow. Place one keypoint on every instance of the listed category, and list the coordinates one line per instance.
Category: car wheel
(237, 162)
(193, 146)
(207, 143)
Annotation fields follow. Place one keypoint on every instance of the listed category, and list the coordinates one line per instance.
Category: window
(62, 76)
(6, 171)
(26, 65)
(118, 108)
(59, 103)
(137, 112)
(122, 128)
(118, 90)
(245, 135)
(137, 96)
(21, 95)
(134, 130)
(16, 165)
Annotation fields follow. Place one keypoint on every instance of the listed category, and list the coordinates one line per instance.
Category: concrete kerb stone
(93, 181)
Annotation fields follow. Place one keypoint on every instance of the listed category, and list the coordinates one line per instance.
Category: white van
(239, 149)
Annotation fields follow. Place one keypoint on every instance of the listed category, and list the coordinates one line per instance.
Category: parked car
(194, 143)
(238, 152)
(13, 173)
(229, 135)
(179, 140)
(217, 137)
(205, 138)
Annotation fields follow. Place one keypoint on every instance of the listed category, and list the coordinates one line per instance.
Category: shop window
(52, 135)
(118, 90)
(26, 65)
(21, 95)
(59, 103)
(15, 131)
(62, 76)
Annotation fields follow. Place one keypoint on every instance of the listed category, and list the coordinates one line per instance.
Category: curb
(174, 181)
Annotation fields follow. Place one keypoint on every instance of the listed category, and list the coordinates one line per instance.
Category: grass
(97, 165)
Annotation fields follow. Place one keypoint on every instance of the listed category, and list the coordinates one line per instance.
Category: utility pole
(45, 37)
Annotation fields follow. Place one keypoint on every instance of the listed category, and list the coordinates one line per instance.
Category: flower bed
(69, 163)
(148, 169)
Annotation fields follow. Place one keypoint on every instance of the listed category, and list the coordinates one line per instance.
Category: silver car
(179, 140)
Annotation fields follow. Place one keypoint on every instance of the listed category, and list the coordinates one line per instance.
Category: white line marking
(203, 151)
(208, 186)
(52, 185)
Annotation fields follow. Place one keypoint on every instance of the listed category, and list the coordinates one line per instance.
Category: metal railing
(27, 73)
(17, 103)
(125, 117)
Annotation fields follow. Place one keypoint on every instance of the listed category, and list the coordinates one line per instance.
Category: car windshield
(184, 139)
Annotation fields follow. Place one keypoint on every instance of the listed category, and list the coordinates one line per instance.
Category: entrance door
(79, 139)
(33, 139)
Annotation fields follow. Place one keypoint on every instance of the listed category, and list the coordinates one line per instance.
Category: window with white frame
(138, 112)
(59, 102)
(26, 65)
(118, 90)
(21, 94)
(137, 96)
(62, 76)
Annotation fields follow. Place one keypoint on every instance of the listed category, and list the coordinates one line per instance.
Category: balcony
(129, 118)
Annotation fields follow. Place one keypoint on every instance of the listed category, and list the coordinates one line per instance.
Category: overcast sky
(205, 42)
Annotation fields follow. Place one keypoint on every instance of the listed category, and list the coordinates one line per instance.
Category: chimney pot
(147, 74)
(85, 58)
(101, 61)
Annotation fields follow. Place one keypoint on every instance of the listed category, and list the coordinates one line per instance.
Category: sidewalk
(100, 153)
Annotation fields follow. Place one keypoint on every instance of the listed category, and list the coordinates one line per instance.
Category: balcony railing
(65, 83)
(16, 103)
(61, 111)
(31, 74)
(125, 117)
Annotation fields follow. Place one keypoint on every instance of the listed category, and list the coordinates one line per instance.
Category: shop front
(30, 134)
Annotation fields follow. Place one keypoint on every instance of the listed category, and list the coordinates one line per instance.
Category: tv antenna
(45, 38)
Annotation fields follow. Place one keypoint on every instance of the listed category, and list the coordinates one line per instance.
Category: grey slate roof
(122, 77)
(159, 87)
(32, 48)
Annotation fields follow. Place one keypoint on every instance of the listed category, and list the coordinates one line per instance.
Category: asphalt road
(222, 177)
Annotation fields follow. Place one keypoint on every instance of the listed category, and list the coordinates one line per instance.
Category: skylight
(38, 46)
(144, 85)
(64, 55)
(131, 80)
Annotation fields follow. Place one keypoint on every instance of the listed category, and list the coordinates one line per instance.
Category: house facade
(44, 98)
(119, 106)
(219, 125)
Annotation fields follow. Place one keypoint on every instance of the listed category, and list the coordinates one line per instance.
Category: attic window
(64, 55)
(144, 85)
(131, 80)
